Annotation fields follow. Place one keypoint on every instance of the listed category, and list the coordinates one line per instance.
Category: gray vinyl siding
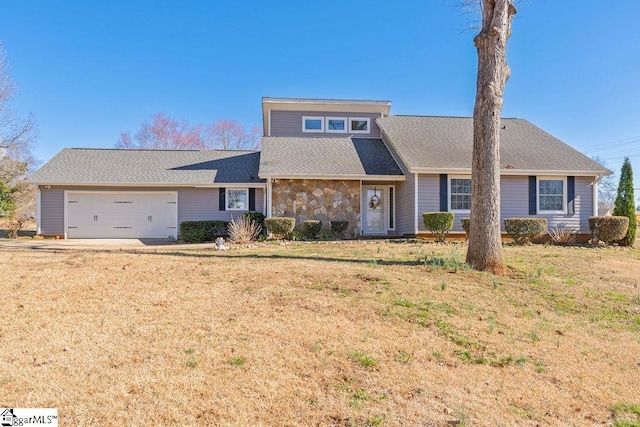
(52, 211)
(405, 205)
(514, 195)
(193, 204)
(289, 123)
(429, 199)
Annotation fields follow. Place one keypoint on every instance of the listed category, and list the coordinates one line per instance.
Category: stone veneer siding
(325, 200)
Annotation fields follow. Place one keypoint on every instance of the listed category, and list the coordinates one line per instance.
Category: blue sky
(89, 70)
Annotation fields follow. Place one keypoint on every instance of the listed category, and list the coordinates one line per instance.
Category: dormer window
(312, 124)
(359, 124)
(336, 124)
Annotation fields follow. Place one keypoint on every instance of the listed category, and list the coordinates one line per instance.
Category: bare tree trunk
(485, 243)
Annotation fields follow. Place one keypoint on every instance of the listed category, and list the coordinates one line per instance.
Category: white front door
(374, 209)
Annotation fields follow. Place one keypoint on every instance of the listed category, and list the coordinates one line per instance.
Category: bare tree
(163, 133)
(167, 133)
(607, 189)
(485, 240)
(231, 135)
(17, 137)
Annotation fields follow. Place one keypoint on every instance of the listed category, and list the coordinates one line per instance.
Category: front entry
(375, 210)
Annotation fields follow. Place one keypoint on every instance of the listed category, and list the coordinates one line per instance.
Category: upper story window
(359, 124)
(551, 195)
(312, 124)
(460, 194)
(237, 199)
(336, 124)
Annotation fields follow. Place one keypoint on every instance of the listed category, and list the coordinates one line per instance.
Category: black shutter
(222, 202)
(252, 199)
(533, 196)
(444, 193)
(571, 195)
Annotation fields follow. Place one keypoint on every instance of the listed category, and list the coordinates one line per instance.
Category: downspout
(595, 194)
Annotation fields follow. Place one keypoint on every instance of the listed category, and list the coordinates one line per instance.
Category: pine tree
(624, 205)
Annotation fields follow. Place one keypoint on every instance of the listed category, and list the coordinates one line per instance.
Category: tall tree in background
(606, 189)
(485, 240)
(167, 133)
(163, 133)
(231, 135)
(624, 205)
(17, 137)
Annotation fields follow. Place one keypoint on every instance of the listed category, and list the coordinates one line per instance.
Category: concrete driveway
(101, 244)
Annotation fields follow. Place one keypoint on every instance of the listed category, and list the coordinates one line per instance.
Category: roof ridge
(444, 117)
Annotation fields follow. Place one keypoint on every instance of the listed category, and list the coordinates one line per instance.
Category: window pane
(549, 186)
(361, 125)
(550, 203)
(334, 124)
(551, 194)
(460, 194)
(237, 199)
(313, 124)
(460, 201)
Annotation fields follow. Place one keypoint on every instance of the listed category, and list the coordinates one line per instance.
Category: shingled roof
(146, 167)
(445, 143)
(327, 157)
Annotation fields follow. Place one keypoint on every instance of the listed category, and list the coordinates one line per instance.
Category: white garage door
(121, 215)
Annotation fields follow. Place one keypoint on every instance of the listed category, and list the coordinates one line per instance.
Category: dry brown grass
(359, 333)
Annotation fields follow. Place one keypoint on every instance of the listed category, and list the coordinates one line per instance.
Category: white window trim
(305, 118)
(367, 119)
(226, 198)
(326, 126)
(450, 193)
(391, 206)
(564, 194)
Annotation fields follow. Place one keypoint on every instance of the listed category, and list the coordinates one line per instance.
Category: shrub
(339, 227)
(608, 229)
(439, 223)
(311, 228)
(280, 227)
(625, 203)
(244, 230)
(203, 231)
(13, 228)
(562, 236)
(465, 225)
(522, 230)
(257, 217)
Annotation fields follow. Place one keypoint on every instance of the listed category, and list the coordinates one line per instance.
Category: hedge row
(203, 231)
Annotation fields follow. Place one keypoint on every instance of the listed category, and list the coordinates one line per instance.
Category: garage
(121, 214)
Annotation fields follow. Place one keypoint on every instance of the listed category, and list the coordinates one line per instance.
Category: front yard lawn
(348, 333)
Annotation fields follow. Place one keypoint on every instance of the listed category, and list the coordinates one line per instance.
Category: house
(321, 159)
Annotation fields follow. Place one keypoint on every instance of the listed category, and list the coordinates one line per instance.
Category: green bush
(522, 230)
(439, 223)
(203, 231)
(280, 227)
(311, 228)
(608, 229)
(257, 217)
(339, 227)
(625, 203)
(465, 225)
